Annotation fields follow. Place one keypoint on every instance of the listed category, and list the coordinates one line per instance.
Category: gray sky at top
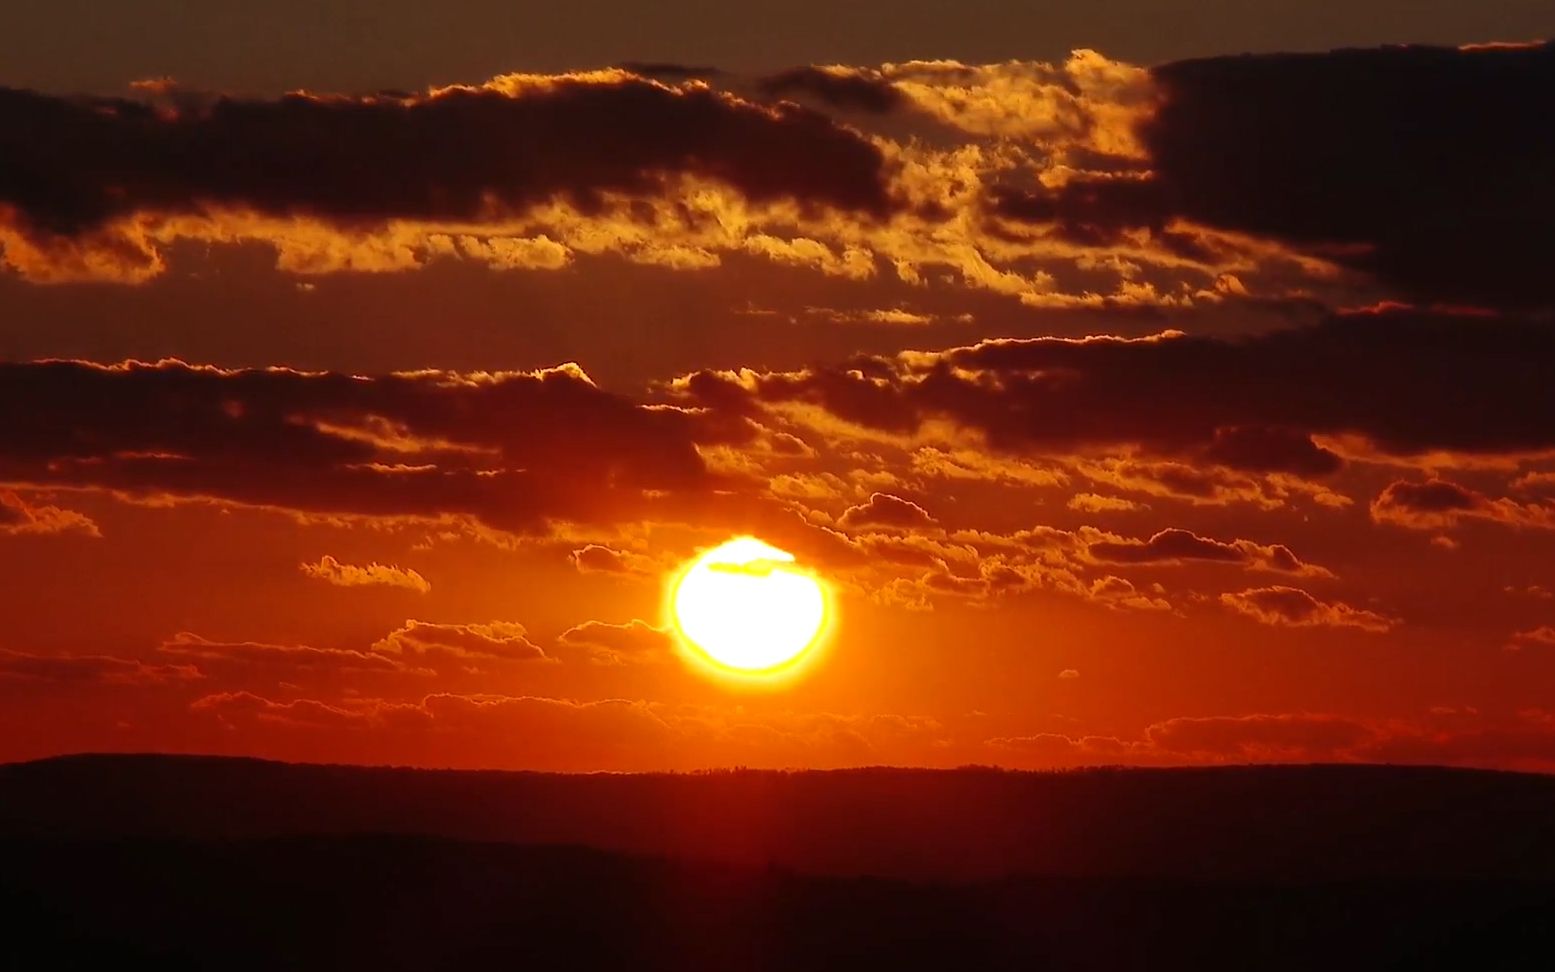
(359, 45)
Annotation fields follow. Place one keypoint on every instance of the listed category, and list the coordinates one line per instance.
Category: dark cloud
(1176, 546)
(1264, 449)
(512, 449)
(1292, 607)
(1428, 167)
(1089, 211)
(1438, 504)
(1435, 497)
(1402, 380)
(74, 164)
(885, 510)
(1166, 547)
(844, 88)
(616, 644)
(99, 669)
(1424, 167)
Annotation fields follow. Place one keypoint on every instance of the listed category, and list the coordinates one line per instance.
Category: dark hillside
(1263, 823)
(398, 903)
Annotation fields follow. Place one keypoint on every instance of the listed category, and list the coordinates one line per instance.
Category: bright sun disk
(748, 609)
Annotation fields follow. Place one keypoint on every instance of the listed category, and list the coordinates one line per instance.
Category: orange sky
(1179, 414)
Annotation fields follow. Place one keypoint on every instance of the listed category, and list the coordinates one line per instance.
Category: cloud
(1192, 400)
(886, 511)
(634, 642)
(20, 518)
(286, 661)
(669, 70)
(1063, 748)
(417, 649)
(854, 263)
(1294, 608)
(1259, 737)
(889, 316)
(467, 646)
(87, 169)
(837, 86)
(1543, 636)
(980, 567)
(1196, 484)
(1303, 150)
(513, 449)
(608, 732)
(537, 732)
(1083, 185)
(1174, 546)
(1094, 503)
(1535, 482)
(332, 571)
(596, 558)
(1438, 504)
(1527, 740)
(1307, 148)
(979, 564)
(970, 579)
(1085, 108)
(702, 175)
(240, 708)
(1120, 593)
(1271, 449)
(1536, 591)
(588, 731)
(90, 669)
(1529, 743)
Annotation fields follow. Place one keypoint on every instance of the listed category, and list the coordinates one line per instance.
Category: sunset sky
(365, 376)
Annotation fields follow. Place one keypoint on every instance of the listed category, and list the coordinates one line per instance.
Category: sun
(746, 609)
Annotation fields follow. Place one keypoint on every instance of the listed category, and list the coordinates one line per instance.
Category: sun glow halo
(744, 608)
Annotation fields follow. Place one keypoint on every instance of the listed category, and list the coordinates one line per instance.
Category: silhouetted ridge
(1259, 823)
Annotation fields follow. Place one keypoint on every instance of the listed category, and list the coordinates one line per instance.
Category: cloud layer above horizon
(1196, 412)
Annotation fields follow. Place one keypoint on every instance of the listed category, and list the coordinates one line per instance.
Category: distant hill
(1267, 824)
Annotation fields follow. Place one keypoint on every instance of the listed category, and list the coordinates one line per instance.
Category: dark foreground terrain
(421, 903)
(179, 863)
